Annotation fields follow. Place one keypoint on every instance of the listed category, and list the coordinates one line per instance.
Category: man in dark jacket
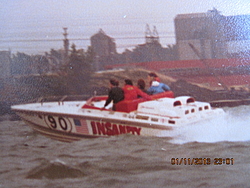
(115, 94)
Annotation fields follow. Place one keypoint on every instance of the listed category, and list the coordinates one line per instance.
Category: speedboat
(73, 120)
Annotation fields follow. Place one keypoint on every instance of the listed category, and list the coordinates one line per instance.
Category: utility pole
(66, 45)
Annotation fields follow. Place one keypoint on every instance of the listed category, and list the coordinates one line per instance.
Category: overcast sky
(35, 26)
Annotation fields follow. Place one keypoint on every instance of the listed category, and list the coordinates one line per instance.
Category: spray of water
(234, 126)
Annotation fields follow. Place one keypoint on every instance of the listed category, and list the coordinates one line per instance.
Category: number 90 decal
(58, 123)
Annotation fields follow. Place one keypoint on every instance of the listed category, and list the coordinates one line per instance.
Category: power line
(54, 23)
(72, 39)
(90, 19)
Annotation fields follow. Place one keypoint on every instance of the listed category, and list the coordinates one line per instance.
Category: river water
(31, 160)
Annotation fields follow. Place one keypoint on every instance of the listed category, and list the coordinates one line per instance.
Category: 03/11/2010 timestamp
(202, 161)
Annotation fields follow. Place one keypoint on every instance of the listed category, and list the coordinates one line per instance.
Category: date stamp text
(202, 161)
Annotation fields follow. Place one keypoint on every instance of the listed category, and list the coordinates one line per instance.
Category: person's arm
(150, 91)
(165, 87)
(109, 99)
(142, 94)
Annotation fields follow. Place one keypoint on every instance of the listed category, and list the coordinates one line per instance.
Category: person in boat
(132, 92)
(155, 85)
(116, 94)
(141, 85)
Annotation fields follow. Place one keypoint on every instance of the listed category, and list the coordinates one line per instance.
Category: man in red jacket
(132, 92)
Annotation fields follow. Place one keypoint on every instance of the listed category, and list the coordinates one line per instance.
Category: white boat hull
(70, 128)
(69, 121)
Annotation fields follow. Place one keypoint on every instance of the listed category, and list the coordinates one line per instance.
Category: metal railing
(62, 99)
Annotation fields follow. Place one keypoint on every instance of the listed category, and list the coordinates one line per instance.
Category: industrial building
(215, 36)
(102, 44)
(104, 48)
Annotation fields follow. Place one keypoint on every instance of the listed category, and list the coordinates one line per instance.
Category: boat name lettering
(147, 107)
(107, 128)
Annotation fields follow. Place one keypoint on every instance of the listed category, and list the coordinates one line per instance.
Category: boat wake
(55, 170)
(234, 126)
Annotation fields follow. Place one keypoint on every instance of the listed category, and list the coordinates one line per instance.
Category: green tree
(89, 57)
(78, 71)
(21, 64)
(41, 64)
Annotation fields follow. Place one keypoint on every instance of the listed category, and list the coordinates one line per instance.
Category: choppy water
(31, 160)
